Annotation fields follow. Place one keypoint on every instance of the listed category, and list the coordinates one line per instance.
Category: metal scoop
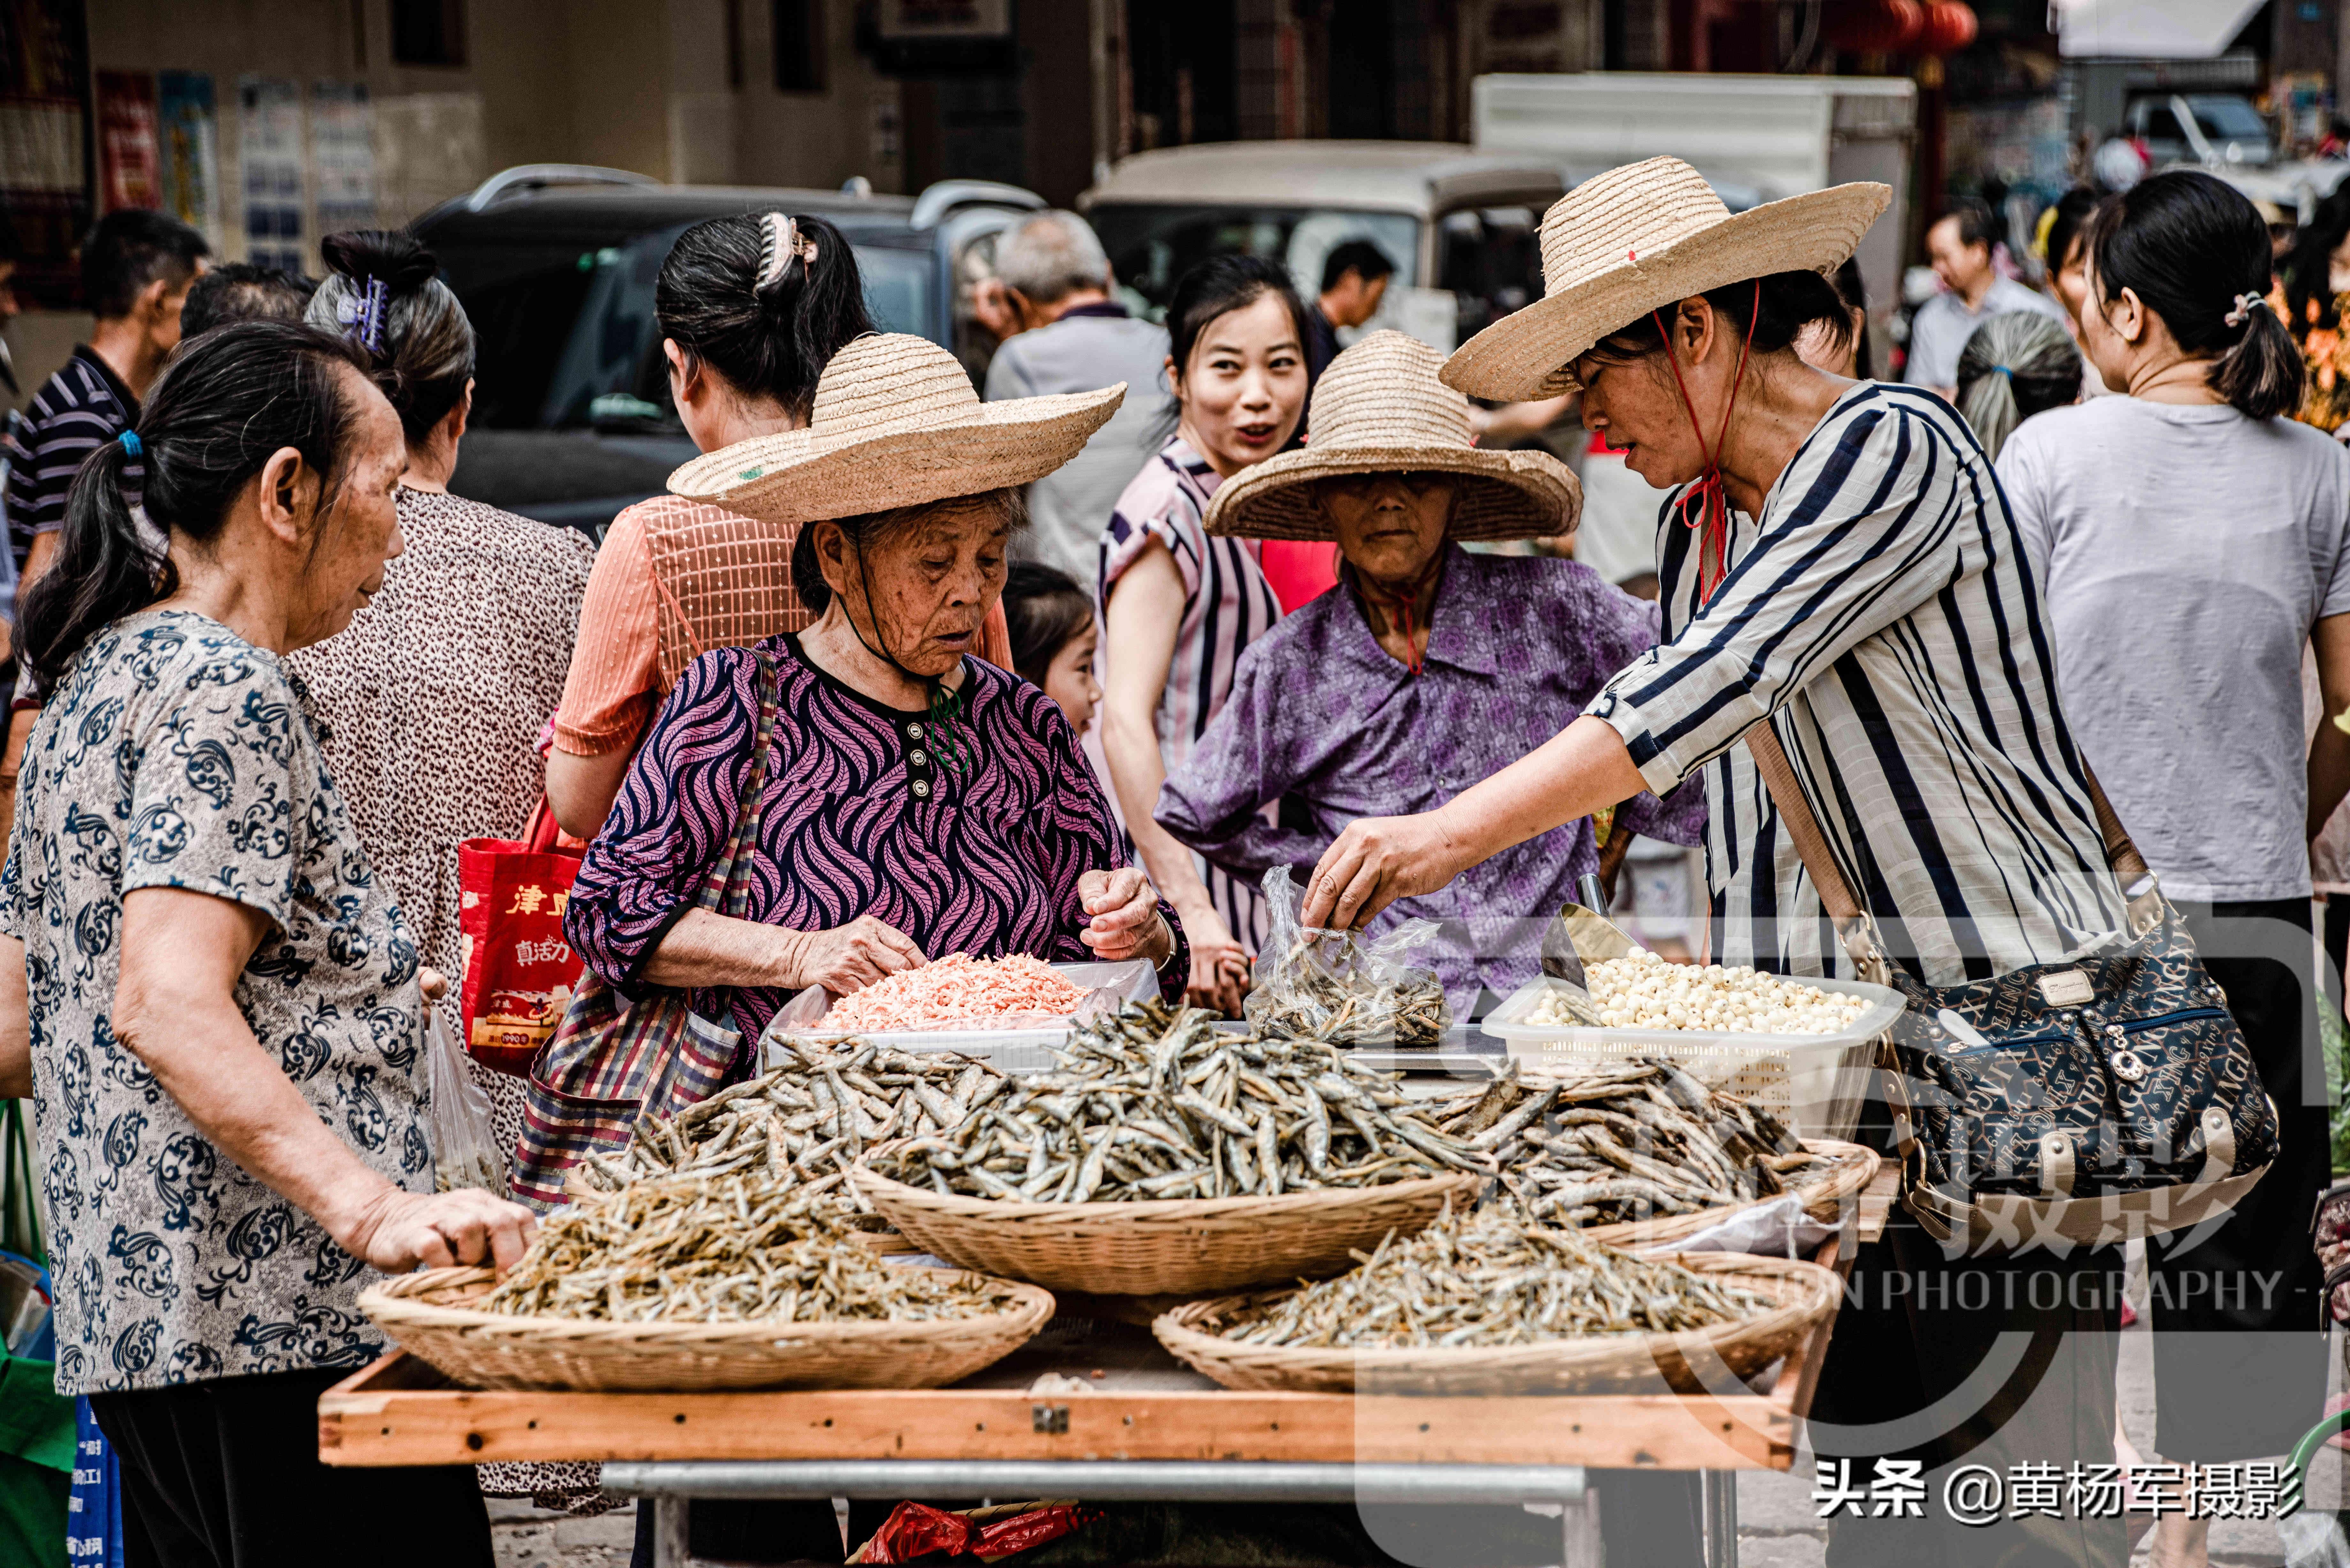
(1581, 932)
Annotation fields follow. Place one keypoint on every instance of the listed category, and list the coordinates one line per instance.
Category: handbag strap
(726, 885)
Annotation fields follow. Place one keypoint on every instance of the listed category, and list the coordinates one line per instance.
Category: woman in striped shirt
(1179, 607)
(1837, 560)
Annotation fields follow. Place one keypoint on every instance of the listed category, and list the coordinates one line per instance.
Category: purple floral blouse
(1324, 718)
(864, 813)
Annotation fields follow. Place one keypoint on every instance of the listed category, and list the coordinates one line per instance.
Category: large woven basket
(431, 1314)
(1188, 1246)
(1687, 1363)
(1855, 1168)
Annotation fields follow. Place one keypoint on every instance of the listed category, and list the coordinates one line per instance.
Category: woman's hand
(847, 957)
(1376, 861)
(397, 1231)
(1121, 916)
(432, 982)
(1220, 965)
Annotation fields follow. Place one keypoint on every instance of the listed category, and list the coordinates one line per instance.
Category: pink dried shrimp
(958, 989)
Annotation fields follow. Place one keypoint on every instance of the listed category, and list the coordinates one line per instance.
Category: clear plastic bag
(457, 1118)
(1319, 984)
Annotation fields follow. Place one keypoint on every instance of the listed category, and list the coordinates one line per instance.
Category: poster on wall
(342, 155)
(44, 145)
(129, 166)
(269, 146)
(188, 137)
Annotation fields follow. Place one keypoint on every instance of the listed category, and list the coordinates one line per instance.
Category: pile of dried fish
(1491, 1280)
(802, 1125)
(734, 1249)
(1156, 1103)
(1630, 1143)
(1324, 986)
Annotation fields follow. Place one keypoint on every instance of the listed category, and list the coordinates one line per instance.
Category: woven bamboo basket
(431, 1314)
(1687, 1363)
(1187, 1247)
(1855, 1168)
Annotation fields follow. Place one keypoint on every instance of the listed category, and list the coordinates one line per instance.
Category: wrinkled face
(1389, 526)
(1960, 265)
(1244, 385)
(921, 590)
(358, 529)
(1069, 680)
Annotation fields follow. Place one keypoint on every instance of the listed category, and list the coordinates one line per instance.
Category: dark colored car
(554, 263)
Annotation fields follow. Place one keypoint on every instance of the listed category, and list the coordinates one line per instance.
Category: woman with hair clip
(2192, 540)
(220, 983)
(434, 698)
(2015, 366)
(751, 308)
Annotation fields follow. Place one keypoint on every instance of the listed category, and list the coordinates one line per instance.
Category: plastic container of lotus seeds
(1024, 1050)
(1815, 1083)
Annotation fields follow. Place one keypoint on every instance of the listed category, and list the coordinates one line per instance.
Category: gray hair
(1051, 255)
(2014, 367)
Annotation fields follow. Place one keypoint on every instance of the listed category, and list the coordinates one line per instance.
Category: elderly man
(1959, 245)
(1072, 337)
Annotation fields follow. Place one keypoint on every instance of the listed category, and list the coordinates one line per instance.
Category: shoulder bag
(2089, 1102)
(611, 1059)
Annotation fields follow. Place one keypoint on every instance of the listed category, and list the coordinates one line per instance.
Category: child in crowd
(1054, 638)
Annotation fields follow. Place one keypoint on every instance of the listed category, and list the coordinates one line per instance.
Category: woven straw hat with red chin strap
(895, 423)
(1380, 408)
(1636, 239)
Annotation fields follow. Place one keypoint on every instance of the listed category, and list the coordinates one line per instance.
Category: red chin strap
(1705, 504)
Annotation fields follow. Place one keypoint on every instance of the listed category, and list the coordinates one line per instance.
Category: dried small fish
(734, 1249)
(1326, 987)
(1486, 1279)
(1158, 1103)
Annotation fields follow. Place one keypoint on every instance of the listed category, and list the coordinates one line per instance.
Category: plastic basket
(1027, 1050)
(1815, 1083)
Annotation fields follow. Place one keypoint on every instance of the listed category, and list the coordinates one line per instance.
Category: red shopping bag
(519, 971)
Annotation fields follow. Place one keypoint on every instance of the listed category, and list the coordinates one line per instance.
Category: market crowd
(1065, 663)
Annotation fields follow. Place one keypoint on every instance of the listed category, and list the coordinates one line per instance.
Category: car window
(1490, 260)
(1151, 247)
(2228, 118)
(575, 342)
(2162, 125)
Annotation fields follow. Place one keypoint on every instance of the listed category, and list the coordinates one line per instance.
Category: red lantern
(1951, 26)
(1875, 27)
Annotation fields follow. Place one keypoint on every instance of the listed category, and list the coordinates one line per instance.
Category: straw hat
(896, 423)
(1636, 239)
(1380, 408)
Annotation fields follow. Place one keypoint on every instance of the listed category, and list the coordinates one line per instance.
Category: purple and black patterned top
(861, 815)
(1322, 715)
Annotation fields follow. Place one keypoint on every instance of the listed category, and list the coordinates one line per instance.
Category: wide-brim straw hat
(1380, 408)
(1636, 239)
(895, 423)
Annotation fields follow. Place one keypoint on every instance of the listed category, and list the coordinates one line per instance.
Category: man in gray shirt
(1959, 247)
(1076, 338)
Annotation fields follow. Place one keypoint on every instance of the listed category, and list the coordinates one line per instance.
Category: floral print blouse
(176, 754)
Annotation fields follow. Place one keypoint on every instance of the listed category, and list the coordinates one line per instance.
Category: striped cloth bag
(611, 1058)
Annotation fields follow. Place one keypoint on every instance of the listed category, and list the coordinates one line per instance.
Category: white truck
(1754, 138)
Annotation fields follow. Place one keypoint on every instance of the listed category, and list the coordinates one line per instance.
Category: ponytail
(2014, 367)
(763, 299)
(225, 402)
(2196, 253)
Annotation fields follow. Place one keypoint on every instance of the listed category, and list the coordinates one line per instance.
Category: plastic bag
(457, 1119)
(914, 1531)
(1319, 984)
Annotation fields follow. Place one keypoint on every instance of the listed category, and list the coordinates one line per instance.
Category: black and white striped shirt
(78, 409)
(1881, 612)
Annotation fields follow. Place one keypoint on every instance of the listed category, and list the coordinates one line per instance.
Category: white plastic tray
(1815, 1082)
(1006, 1050)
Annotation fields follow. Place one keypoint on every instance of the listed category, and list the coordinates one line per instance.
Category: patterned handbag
(2093, 1101)
(611, 1058)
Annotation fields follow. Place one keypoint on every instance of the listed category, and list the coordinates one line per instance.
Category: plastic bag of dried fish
(1158, 1103)
(1339, 986)
(1491, 1279)
(457, 1116)
(730, 1250)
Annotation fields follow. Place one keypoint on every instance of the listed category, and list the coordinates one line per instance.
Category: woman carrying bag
(1837, 560)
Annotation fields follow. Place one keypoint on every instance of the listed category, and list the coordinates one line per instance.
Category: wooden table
(1146, 1426)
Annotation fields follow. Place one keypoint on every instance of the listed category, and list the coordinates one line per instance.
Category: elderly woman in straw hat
(914, 801)
(1843, 586)
(1429, 669)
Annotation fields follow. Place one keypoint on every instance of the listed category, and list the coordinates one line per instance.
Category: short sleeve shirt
(176, 754)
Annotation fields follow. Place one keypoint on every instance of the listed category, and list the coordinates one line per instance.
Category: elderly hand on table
(1121, 917)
